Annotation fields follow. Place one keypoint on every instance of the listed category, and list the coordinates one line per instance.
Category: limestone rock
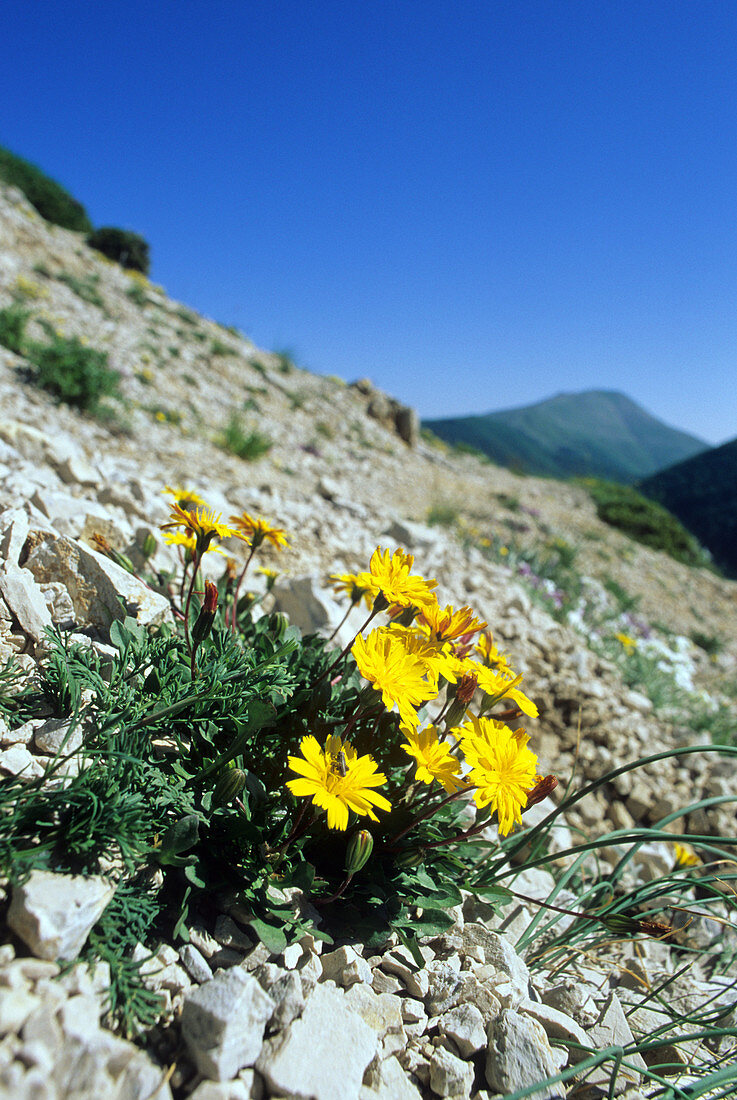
(99, 589)
(519, 1055)
(53, 913)
(323, 1055)
(223, 1023)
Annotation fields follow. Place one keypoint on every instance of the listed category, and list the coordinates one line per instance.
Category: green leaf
(271, 937)
(491, 892)
(182, 835)
(433, 922)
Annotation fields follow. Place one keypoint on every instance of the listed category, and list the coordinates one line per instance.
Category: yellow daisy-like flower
(390, 575)
(503, 769)
(434, 759)
(185, 498)
(629, 644)
(445, 623)
(497, 684)
(254, 531)
(490, 655)
(400, 676)
(355, 585)
(323, 780)
(685, 855)
(202, 525)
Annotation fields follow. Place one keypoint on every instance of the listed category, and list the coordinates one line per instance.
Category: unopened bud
(465, 689)
(206, 617)
(360, 848)
(229, 785)
(149, 546)
(541, 790)
(410, 857)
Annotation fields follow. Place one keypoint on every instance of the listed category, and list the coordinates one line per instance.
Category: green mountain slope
(702, 492)
(598, 433)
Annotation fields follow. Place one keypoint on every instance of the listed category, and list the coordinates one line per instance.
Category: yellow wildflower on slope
(434, 759)
(383, 659)
(390, 575)
(203, 525)
(323, 781)
(503, 769)
(255, 530)
(445, 623)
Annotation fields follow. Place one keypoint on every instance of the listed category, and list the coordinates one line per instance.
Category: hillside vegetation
(702, 493)
(597, 433)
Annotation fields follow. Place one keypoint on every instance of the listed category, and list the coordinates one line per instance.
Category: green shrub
(12, 327)
(46, 195)
(643, 520)
(248, 445)
(76, 374)
(121, 245)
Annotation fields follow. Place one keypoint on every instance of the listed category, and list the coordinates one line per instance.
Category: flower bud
(206, 617)
(359, 849)
(541, 790)
(228, 786)
(410, 857)
(149, 546)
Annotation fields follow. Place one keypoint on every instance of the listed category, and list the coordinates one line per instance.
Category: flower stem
(238, 588)
(341, 655)
(393, 841)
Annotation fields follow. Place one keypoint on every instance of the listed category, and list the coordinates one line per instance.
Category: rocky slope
(340, 479)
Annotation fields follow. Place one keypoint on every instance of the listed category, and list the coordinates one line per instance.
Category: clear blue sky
(476, 204)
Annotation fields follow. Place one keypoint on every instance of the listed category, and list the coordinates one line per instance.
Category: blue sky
(475, 204)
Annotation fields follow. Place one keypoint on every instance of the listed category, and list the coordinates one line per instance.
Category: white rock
(449, 1075)
(17, 760)
(53, 913)
(390, 1082)
(345, 967)
(519, 1055)
(323, 1055)
(223, 1023)
(464, 1024)
(222, 1090)
(56, 735)
(308, 606)
(381, 1011)
(95, 584)
(194, 963)
(25, 599)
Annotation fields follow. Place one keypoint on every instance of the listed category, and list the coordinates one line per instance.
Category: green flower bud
(149, 546)
(359, 849)
(229, 785)
(410, 857)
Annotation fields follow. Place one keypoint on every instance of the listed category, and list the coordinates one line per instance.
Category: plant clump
(48, 197)
(124, 247)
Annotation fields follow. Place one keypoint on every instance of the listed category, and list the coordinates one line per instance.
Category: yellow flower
(503, 769)
(499, 684)
(490, 655)
(390, 575)
(446, 623)
(185, 498)
(203, 525)
(629, 644)
(323, 781)
(685, 855)
(434, 759)
(383, 659)
(355, 585)
(254, 531)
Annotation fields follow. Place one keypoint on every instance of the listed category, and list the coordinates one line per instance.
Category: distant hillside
(598, 433)
(702, 492)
